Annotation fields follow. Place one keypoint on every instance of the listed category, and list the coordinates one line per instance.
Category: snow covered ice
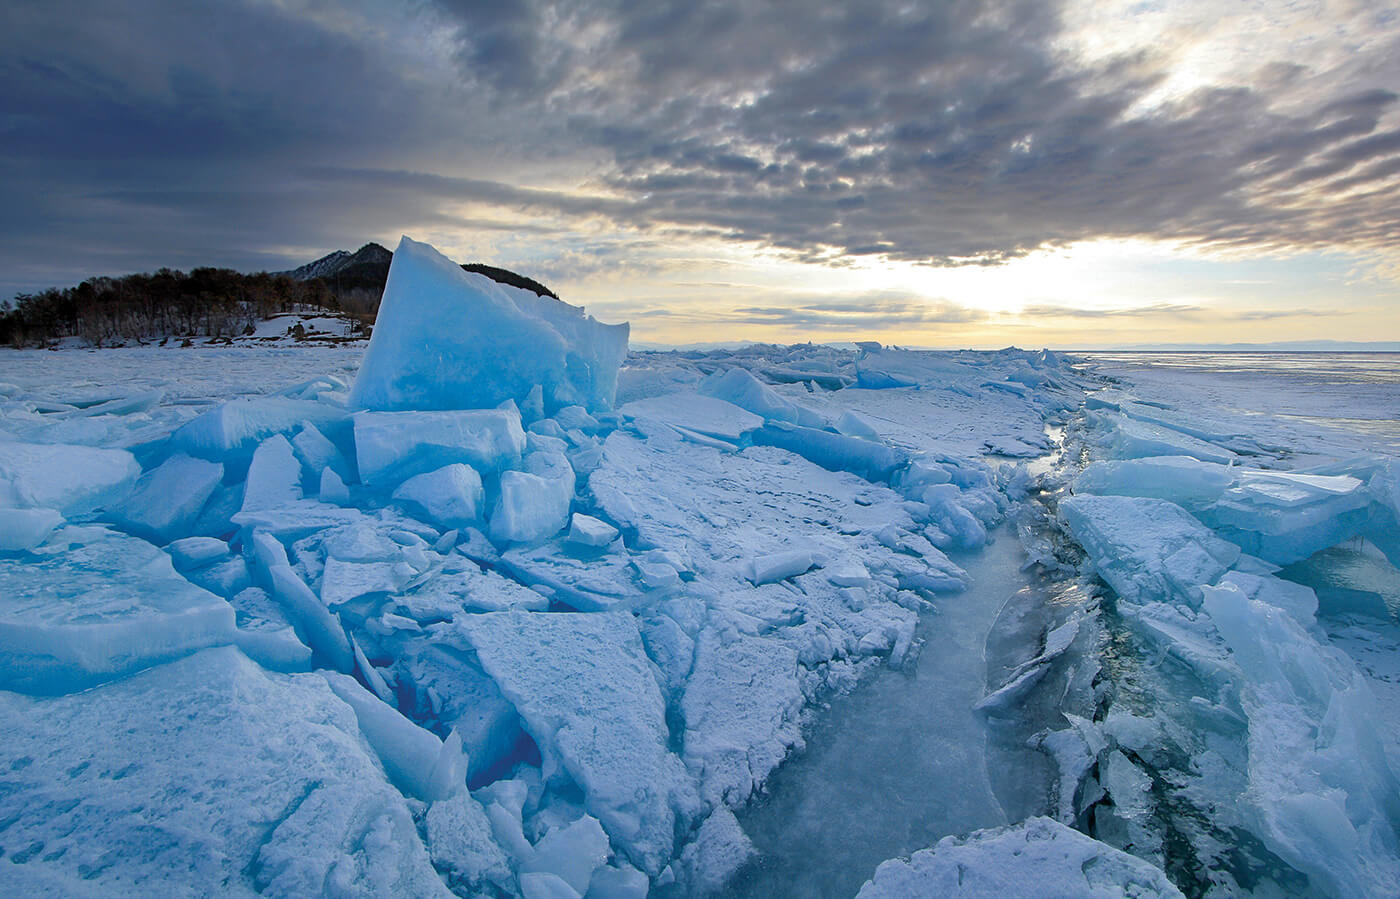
(504, 610)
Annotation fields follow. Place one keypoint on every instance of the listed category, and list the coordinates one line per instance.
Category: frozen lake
(711, 565)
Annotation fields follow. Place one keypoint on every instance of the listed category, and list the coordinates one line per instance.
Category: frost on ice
(520, 614)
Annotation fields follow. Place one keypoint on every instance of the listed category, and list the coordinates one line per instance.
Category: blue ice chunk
(168, 499)
(392, 446)
(314, 623)
(835, 452)
(741, 388)
(74, 480)
(449, 339)
(1148, 550)
(231, 431)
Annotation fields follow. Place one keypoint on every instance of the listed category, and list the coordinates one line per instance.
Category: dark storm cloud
(953, 132)
(154, 132)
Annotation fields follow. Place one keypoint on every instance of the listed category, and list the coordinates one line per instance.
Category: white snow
(1038, 857)
(585, 692)
(205, 776)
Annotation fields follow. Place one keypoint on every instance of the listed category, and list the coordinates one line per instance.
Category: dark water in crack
(897, 764)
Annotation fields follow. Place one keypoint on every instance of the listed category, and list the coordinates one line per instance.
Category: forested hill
(210, 302)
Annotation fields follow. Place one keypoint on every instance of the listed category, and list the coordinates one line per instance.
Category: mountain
(368, 267)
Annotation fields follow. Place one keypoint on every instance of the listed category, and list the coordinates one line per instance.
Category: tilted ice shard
(449, 339)
(586, 693)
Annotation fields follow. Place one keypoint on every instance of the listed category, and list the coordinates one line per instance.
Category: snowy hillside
(501, 609)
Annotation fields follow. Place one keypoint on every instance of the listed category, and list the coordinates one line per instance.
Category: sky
(1065, 173)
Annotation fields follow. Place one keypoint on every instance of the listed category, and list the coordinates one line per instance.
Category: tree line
(205, 302)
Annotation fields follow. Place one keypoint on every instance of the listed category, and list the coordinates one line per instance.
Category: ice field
(494, 607)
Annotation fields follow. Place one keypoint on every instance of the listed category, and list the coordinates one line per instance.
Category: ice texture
(232, 430)
(274, 476)
(740, 707)
(585, 692)
(25, 529)
(205, 776)
(695, 412)
(448, 339)
(741, 388)
(417, 762)
(461, 844)
(94, 604)
(586, 530)
(751, 531)
(1037, 857)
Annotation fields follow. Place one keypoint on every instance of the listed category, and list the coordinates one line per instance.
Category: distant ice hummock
(450, 339)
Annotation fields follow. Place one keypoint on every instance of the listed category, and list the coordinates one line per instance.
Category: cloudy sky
(1073, 174)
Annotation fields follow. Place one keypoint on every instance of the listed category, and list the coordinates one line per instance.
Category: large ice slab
(206, 776)
(740, 706)
(93, 604)
(167, 499)
(835, 452)
(1180, 479)
(391, 446)
(696, 412)
(1148, 550)
(1038, 857)
(586, 694)
(73, 480)
(1129, 438)
(1286, 516)
(232, 430)
(449, 339)
(741, 388)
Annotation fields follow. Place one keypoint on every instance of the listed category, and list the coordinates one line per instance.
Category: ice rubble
(1275, 721)
(562, 653)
